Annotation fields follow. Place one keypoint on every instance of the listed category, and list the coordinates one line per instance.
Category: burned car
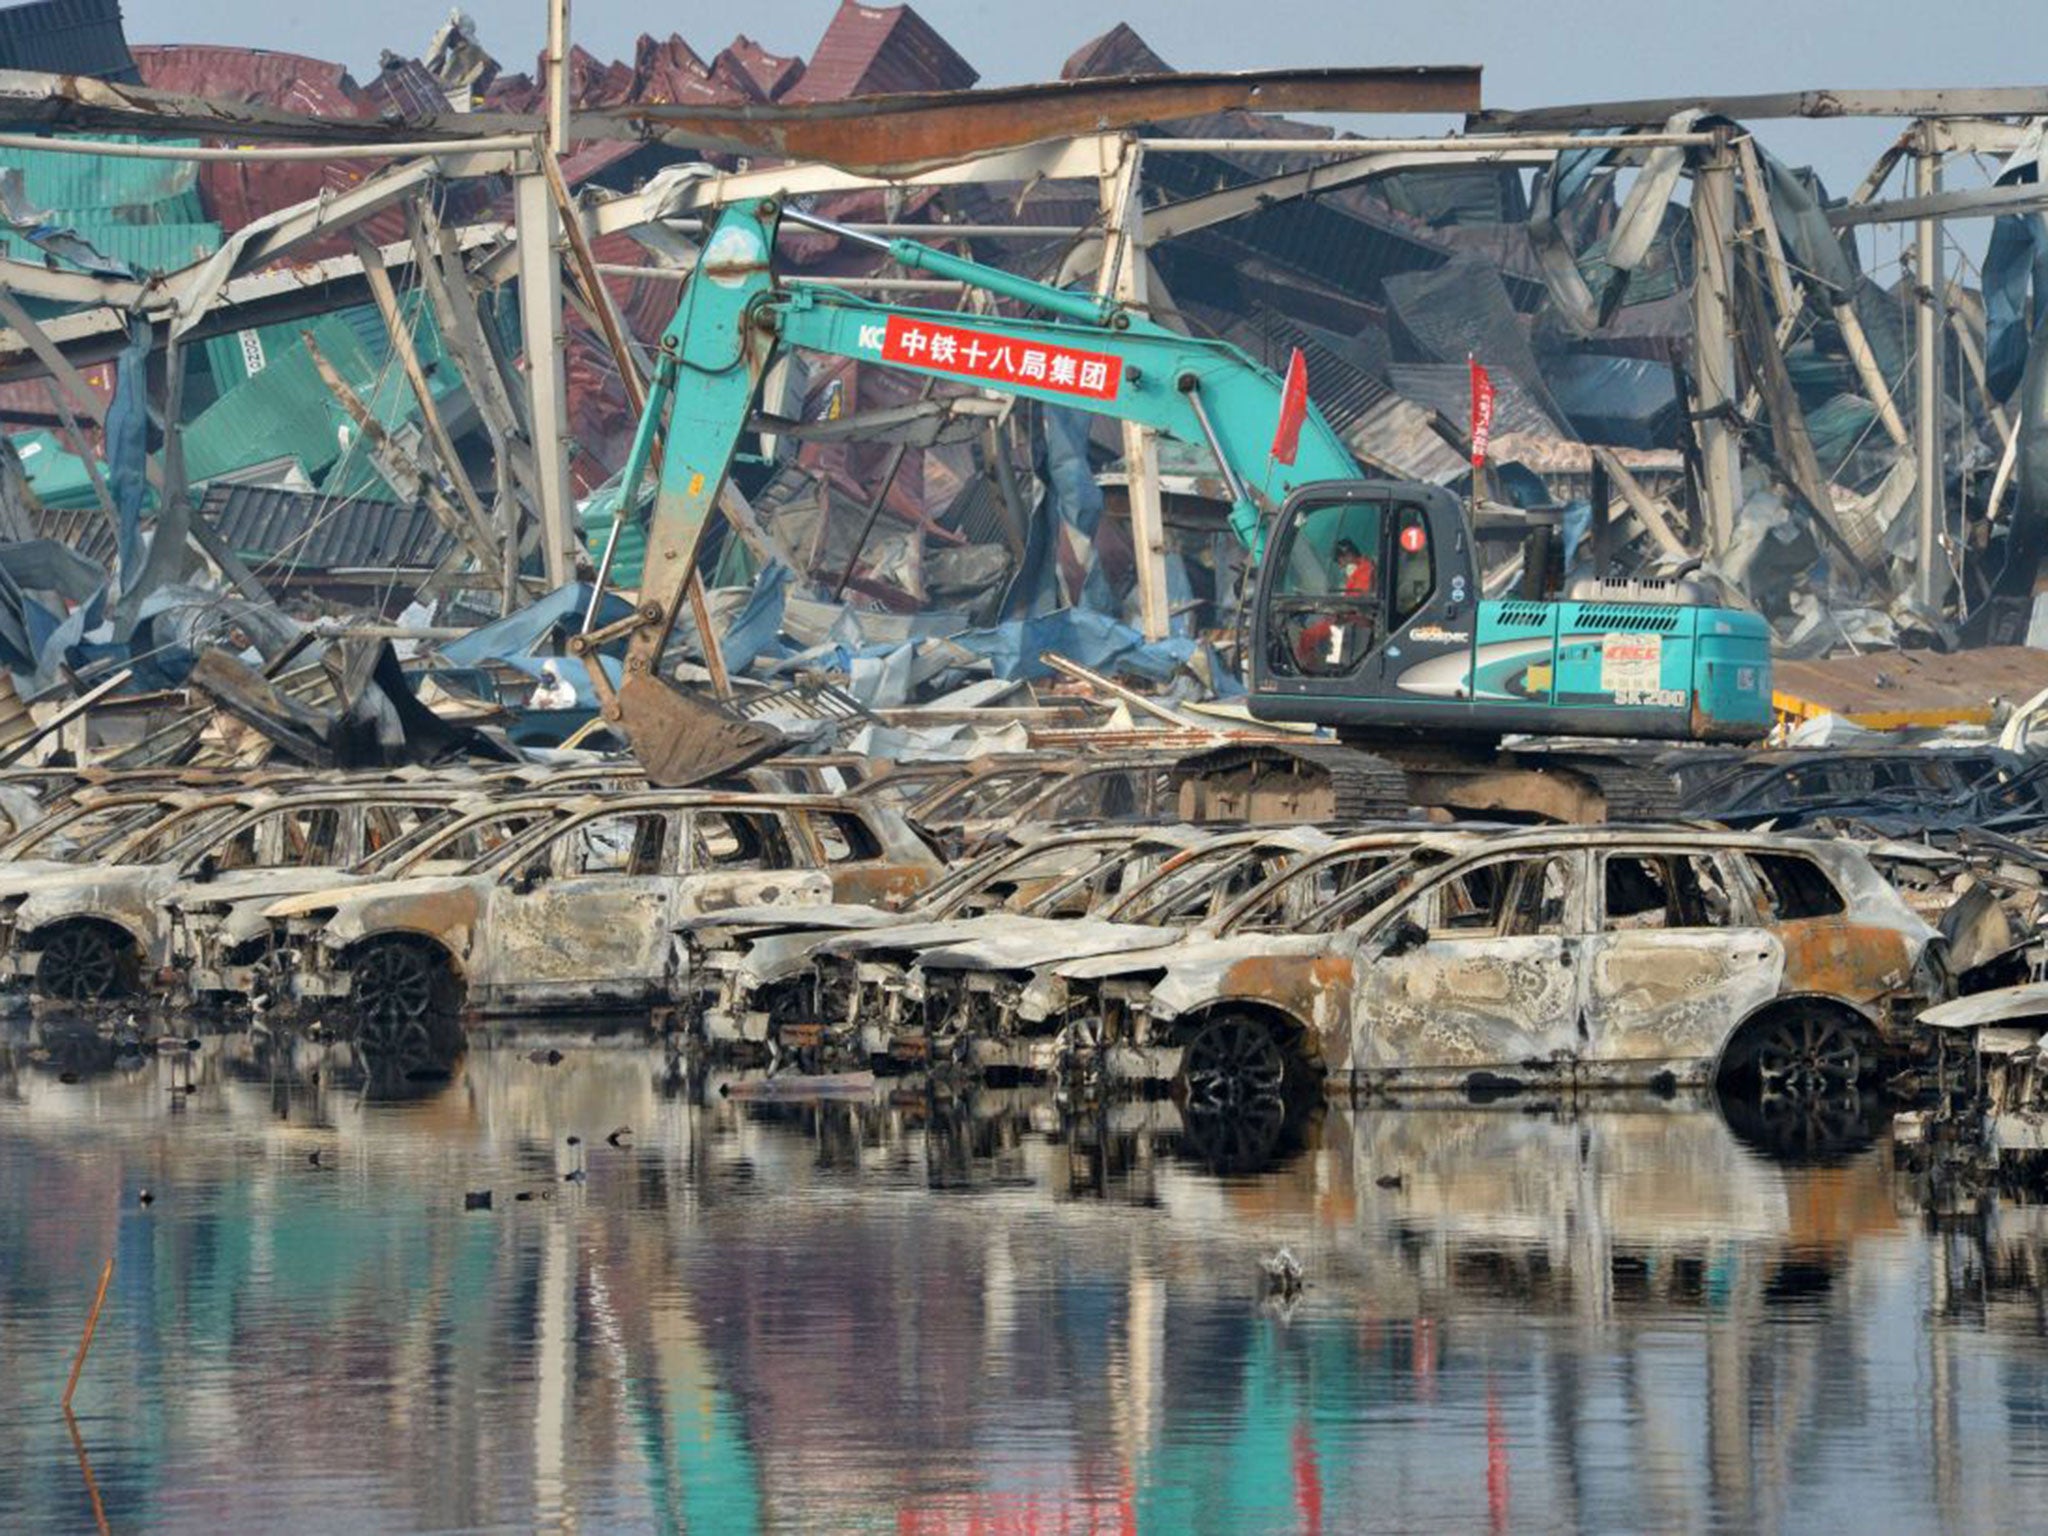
(90, 828)
(1788, 789)
(987, 997)
(82, 935)
(971, 814)
(868, 1002)
(579, 912)
(746, 975)
(221, 936)
(1543, 958)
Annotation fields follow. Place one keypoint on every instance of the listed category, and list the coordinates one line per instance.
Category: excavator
(1367, 615)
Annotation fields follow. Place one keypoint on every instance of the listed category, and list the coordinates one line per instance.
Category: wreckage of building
(348, 554)
(1692, 361)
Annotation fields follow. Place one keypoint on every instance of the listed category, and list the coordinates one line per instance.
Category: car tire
(86, 962)
(406, 1001)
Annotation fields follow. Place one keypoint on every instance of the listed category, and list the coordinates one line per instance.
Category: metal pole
(398, 149)
(1929, 331)
(558, 77)
(1476, 146)
(629, 483)
(92, 1323)
(1713, 216)
(1123, 280)
(540, 318)
(1192, 387)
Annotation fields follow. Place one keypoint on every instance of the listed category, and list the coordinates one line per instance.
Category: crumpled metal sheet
(1812, 243)
(524, 631)
(2030, 470)
(35, 226)
(2015, 260)
(128, 452)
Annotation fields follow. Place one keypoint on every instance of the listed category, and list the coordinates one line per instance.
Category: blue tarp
(1060, 565)
(1080, 634)
(128, 453)
(2015, 261)
(756, 629)
(535, 630)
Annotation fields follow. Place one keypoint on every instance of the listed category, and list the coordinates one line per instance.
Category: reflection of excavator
(1409, 663)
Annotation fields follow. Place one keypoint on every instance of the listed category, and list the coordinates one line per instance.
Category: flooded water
(978, 1316)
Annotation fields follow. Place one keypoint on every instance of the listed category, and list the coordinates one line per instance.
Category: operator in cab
(1354, 575)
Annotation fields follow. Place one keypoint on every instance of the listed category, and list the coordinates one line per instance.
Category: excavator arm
(1081, 351)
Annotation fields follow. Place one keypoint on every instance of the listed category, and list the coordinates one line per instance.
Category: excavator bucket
(683, 738)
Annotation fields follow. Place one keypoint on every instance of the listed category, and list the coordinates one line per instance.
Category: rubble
(323, 409)
(876, 491)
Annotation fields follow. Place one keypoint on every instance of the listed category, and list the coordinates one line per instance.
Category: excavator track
(1629, 791)
(1284, 781)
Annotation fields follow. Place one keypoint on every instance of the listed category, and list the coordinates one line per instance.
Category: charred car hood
(28, 878)
(333, 894)
(1194, 950)
(738, 924)
(254, 885)
(249, 901)
(916, 938)
(95, 886)
(1003, 946)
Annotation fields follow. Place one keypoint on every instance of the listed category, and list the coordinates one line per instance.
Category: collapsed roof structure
(354, 371)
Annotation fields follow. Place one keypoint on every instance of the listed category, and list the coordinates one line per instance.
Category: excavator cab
(1369, 618)
(1358, 567)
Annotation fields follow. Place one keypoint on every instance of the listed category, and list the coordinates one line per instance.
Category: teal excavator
(1367, 614)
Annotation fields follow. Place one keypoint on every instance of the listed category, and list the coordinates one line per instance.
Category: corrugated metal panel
(55, 474)
(238, 194)
(631, 556)
(283, 412)
(1463, 311)
(84, 530)
(1393, 435)
(276, 530)
(1119, 51)
(870, 50)
(1350, 247)
(1620, 401)
(774, 75)
(977, 513)
(229, 73)
(1656, 278)
(28, 400)
(1447, 387)
(669, 70)
(240, 355)
(148, 248)
(61, 181)
(306, 531)
(67, 37)
(1463, 194)
(405, 88)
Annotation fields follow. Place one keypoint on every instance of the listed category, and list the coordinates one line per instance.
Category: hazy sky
(1533, 53)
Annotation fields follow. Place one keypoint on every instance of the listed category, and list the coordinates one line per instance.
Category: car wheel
(1808, 1052)
(83, 963)
(1232, 1062)
(404, 1000)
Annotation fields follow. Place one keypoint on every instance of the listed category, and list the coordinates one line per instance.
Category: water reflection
(926, 1313)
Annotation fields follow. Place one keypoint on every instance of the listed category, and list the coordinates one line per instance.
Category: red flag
(1293, 409)
(1482, 413)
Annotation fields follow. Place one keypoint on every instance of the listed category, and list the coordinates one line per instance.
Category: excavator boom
(1085, 352)
(1369, 616)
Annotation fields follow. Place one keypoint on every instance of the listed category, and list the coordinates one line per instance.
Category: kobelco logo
(870, 339)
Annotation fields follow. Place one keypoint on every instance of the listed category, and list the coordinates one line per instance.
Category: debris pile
(304, 384)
